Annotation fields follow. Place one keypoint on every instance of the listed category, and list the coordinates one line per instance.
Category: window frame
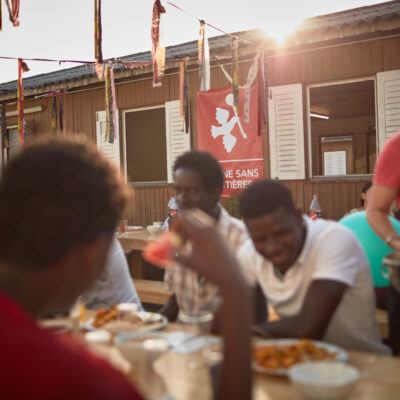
(309, 137)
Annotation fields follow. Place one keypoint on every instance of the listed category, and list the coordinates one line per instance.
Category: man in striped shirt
(198, 183)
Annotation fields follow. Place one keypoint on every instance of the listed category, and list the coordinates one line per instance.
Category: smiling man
(198, 183)
(313, 273)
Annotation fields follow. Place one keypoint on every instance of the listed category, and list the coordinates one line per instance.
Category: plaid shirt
(192, 291)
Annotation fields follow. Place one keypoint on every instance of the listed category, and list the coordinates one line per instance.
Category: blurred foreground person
(313, 273)
(386, 188)
(59, 204)
(60, 201)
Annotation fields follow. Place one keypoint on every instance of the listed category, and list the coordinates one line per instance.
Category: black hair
(206, 165)
(263, 197)
(56, 194)
(364, 189)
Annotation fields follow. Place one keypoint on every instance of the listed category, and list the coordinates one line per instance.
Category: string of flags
(105, 70)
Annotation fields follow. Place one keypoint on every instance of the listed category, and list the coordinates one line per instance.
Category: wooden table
(135, 240)
(380, 380)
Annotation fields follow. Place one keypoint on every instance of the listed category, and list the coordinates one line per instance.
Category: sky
(60, 29)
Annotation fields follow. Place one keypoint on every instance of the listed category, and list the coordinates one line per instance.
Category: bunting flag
(99, 69)
(98, 54)
(61, 110)
(114, 102)
(204, 59)
(22, 67)
(262, 106)
(157, 52)
(13, 11)
(109, 135)
(235, 72)
(4, 133)
(54, 115)
(251, 77)
(184, 92)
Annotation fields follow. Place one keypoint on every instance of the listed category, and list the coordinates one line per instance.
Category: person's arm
(211, 258)
(170, 309)
(378, 208)
(322, 298)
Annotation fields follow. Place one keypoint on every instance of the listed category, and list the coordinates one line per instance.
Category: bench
(152, 292)
(383, 322)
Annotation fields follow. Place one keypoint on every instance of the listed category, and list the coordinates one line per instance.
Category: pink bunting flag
(157, 52)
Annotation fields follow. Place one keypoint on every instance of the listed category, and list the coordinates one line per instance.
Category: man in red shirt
(386, 189)
(59, 204)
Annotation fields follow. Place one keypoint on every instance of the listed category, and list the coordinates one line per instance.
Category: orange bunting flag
(157, 52)
(22, 67)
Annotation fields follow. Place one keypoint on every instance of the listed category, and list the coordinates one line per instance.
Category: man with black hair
(313, 273)
(60, 201)
(198, 183)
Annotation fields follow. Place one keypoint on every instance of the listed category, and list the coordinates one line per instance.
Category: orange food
(283, 356)
(103, 315)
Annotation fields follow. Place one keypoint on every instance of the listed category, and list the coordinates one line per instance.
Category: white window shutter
(110, 150)
(286, 133)
(388, 88)
(178, 141)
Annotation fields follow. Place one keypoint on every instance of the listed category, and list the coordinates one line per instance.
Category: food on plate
(120, 320)
(104, 315)
(283, 356)
(160, 253)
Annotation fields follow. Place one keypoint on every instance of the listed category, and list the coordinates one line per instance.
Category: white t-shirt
(330, 252)
(115, 284)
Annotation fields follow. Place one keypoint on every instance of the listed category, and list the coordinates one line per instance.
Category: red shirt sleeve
(387, 168)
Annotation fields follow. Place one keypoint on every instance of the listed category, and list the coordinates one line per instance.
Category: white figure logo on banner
(226, 127)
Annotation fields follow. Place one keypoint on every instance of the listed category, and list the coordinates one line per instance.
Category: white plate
(341, 354)
(160, 322)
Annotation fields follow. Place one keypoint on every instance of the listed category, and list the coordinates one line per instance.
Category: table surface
(188, 377)
(135, 240)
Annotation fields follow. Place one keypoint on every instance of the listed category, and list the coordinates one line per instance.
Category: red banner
(223, 133)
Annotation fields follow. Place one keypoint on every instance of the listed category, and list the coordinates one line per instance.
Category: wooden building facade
(333, 100)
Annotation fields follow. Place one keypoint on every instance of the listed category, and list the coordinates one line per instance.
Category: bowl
(142, 350)
(154, 229)
(324, 380)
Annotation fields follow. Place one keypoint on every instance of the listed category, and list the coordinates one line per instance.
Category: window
(342, 125)
(154, 137)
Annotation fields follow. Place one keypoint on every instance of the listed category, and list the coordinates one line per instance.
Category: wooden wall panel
(148, 204)
(336, 197)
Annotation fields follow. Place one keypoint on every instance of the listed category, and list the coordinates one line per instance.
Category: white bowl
(323, 380)
(154, 229)
(142, 350)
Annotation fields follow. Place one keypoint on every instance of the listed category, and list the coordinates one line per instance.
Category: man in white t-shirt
(313, 273)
